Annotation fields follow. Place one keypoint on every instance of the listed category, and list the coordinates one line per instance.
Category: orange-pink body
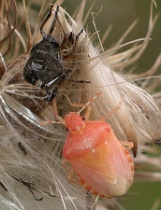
(101, 164)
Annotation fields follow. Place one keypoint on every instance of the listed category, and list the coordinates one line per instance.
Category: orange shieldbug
(98, 160)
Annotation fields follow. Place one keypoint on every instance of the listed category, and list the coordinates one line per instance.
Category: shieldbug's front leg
(83, 106)
(45, 20)
(76, 40)
(59, 119)
(50, 95)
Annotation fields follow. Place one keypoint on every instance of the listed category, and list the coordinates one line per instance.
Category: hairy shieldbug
(93, 155)
(46, 63)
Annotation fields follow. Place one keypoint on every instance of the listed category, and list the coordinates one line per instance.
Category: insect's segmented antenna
(90, 101)
(112, 111)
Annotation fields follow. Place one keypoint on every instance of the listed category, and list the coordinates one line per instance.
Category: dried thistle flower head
(30, 152)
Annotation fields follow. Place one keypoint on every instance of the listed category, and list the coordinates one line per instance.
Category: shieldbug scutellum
(98, 160)
(46, 63)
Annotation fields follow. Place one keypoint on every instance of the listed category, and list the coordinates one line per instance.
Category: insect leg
(73, 104)
(84, 106)
(50, 95)
(60, 120)
(76, 40)
(66, 37)
(88, 112)
(77, 37)
(79, 81)
(45, 20)
(55, 18)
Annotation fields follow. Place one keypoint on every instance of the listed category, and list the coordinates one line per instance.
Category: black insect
(46, 64)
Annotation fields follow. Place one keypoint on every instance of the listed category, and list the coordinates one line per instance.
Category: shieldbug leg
(88, 111)
(66, 37)
(45, 20)
(78, 81)
(76, 40)
(59, 119)
(73, 104)
(50, 95)
(55, 18)
(55, 109)
(84, 106)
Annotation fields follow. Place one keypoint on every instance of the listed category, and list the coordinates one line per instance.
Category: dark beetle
(45, 62)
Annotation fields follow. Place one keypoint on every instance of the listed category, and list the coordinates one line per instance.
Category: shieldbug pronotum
(46, 63)
(97, 159)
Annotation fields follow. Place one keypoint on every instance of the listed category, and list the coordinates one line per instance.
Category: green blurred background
(121, 14)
